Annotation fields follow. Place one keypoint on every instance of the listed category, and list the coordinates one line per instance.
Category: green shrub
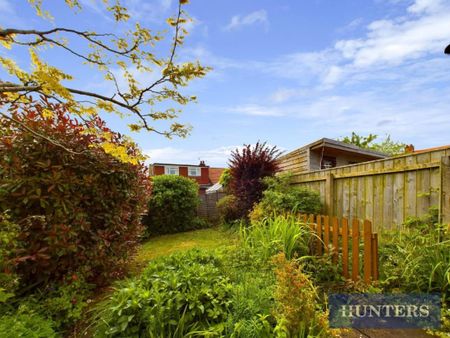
(279, 234)
(9, 246)
(413, 261)
(228, 210)
(174, 296)
(296, 299)
(281, 197)
(64, 303)
(225, 179)
(30, 325)
(416, 258)
(173, 205)
(322, 270)
(78, 211)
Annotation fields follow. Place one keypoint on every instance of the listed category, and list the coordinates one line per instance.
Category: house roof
(431, 149)
(214, 174)
(181, 165)
(330, 143)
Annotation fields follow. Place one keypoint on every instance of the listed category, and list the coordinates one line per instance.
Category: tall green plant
(278, 234)
(417, 258)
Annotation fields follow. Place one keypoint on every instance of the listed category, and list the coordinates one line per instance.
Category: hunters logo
(385, 311)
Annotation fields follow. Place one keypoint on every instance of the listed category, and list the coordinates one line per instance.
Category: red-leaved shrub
(79, 211)
(247, 168)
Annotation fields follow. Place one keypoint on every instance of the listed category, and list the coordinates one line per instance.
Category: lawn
(167, 244)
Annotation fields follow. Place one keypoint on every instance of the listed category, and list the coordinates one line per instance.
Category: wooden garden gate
(347, 242)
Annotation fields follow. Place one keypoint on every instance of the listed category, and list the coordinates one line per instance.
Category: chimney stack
(409, 149)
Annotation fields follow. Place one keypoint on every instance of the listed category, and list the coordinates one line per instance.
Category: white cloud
(8, 15)
(212, 157)
(216, 157)
(283, 94)
(351, 26)
(5, 7)
(420, 6)
(138, 9)
(425, 31)
(333, 75)
(256, 110)
(255, 17)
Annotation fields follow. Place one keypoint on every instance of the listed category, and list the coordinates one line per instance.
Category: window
(328, 162)
(194, 171)
(171, 170)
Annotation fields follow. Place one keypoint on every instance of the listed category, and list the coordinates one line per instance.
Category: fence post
(345, 247)
(319, 235)
(329, 195)
(335, 239)
(444, 205)
(355, 250)
(311, 222)
(367, 251)
(375, 256)
(326, 236)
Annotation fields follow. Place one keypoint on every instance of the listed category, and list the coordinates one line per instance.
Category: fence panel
(207, 208)
(385, 192)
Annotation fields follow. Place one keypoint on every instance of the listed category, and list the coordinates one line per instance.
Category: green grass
(167, 244)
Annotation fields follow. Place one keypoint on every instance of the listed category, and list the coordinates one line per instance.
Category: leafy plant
(77, 212)
(248, 167)
(64, 303)
(172, 206)
(26, 325)
(225, 179)
(228, 209)
(278, 234)
(296, 299)
(9, 246)
(322, 270)
(176, 295)
(387, 146)
(282, 197)
(417, 258)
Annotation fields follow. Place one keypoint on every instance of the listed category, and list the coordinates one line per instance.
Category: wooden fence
(343, 241)
(385, 192)
(207, 208)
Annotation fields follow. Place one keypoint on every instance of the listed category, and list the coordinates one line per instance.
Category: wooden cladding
(354, 245)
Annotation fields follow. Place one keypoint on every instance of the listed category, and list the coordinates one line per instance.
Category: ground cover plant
(165, 245)
(172, 206)
(175, 295)
(240, 281)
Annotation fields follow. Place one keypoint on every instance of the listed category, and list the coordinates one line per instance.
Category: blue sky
(289, 72)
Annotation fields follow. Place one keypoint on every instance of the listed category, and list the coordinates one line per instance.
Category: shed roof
(330, 143)
(214, 188)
